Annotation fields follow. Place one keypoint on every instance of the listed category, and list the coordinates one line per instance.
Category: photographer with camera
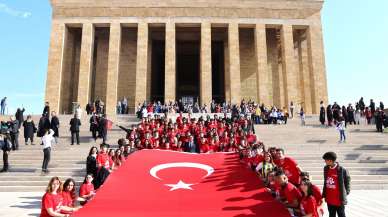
(5, 145)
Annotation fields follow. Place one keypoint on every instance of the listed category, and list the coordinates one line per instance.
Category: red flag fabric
(173, 184)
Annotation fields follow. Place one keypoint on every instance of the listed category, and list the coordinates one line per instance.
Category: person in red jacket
(308, 204)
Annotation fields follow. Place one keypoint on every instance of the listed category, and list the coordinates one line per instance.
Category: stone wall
(127, 70)
(101, 64)
(70, 73)
(248, 64)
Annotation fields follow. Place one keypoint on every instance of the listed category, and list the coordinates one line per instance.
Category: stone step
(350, 168)
(38, 169)
(353, 172)
(23, 189)
(30, 183)
(37, 173)
(37, 178)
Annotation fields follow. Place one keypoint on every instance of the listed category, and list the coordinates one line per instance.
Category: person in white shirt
(47, 141)
(341, 127)
(78, 112)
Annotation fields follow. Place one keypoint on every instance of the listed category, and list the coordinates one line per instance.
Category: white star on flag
(180, 185)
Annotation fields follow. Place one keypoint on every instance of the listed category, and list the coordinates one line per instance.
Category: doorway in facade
(187, 64)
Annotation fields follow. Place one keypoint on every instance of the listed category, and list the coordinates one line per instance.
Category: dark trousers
(94, 134)
(104, 137)
(333, 210)
(31, 139)
(5, 160)
(15, 141)
(74, 135)
(46, 158)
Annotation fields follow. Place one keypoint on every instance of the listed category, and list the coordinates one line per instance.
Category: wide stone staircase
(66, 160)
(365, 154)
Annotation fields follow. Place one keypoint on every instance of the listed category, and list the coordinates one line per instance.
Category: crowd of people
(282, 176)
(259, 113)
(342, 116)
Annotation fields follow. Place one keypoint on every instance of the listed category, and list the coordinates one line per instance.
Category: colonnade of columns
(291, 85)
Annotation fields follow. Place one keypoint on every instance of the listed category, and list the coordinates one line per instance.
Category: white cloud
(13, 12)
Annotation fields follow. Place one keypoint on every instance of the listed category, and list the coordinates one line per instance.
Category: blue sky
(355, 35)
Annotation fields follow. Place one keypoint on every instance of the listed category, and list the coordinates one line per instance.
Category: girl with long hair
(308, 204)
(52, 200)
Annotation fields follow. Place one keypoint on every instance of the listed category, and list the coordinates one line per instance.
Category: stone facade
(271, 52)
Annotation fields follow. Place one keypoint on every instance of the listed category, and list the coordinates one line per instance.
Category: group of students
(61, 199)
(202, 135)
(281, 174)
(286, 181)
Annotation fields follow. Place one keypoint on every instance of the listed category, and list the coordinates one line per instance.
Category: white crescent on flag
(154, 170)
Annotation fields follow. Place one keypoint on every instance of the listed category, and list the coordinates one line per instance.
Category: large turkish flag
(155, 183)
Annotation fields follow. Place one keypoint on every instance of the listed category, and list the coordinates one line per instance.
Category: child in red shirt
(103, 158)
(86, 190)
(308, 204)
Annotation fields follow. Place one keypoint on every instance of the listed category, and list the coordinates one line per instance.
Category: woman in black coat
(29, 130)
(55, 124)
(329, 114)
(44, 125)
(322, 115)
(91, 162)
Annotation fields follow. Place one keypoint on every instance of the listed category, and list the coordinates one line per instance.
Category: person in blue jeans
(341, 127)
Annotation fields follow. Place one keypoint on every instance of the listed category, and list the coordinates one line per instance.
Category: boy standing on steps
(336, 185)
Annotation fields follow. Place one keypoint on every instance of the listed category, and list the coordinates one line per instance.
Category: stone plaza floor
(362, 203)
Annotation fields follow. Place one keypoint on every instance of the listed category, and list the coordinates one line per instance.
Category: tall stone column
(234, 63)
(170, 64)
(206, 64)
(317, 66)
(54, 69)
(289, 66)
(86, 61)
(227, 71)
(113, 68)
(262, 65)
(141, 63)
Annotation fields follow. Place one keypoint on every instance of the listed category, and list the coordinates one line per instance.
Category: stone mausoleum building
(270, 51)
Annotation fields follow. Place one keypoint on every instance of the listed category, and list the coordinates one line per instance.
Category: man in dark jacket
(46, 110)
(13, 126)
(103, 128)
(74, 129)
(191, 146)
(336, 185)
(54, 125)
(5, 145)
(20, 116)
